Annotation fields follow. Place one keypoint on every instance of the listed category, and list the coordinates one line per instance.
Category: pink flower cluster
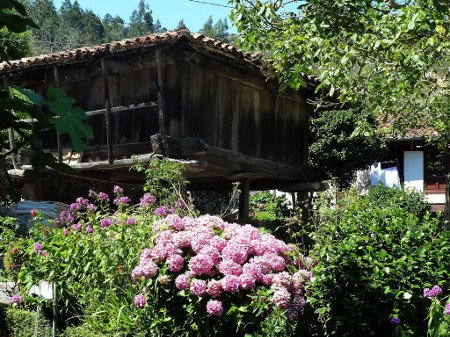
(211, 257)
(433, 292)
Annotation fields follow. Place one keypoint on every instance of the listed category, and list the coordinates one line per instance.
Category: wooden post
(58, 135)
(160, 93)
(12, 141)
(108, 119)
(447, 199)
(244, 199)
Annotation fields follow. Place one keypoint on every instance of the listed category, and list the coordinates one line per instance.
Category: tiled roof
(138, 42)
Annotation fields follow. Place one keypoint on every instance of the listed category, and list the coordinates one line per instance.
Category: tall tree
(208, 28)
(141, 20)
(93, 29)
(181, 25)
(43, 40)
(218, 30)
(388, 57)
(114, 28)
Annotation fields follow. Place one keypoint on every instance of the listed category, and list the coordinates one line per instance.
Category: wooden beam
(58, 135)
(121, 108)
(447, 199)
(178, 147)
(11, 138)
(108, 118)
(160, 93)
(244, 200)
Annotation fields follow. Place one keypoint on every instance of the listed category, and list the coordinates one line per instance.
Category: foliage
(80, 330)
(19, 104)
(12, 247)
(374, 257)
(410, 201)
(216, 269)
(165, 181)
(21, 323)
(255, 283)
(438, 317)
(388, 57)
(268, 206)
(218, 30)
(338, 148)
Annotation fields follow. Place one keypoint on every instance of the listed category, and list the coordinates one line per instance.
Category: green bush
(375, 257)
(80, 331)
(266, 206)
(21, 323)
(411, 201)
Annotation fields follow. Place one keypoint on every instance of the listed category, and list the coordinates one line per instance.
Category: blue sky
(169, 12)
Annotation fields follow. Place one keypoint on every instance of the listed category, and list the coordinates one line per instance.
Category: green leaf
(70, 119)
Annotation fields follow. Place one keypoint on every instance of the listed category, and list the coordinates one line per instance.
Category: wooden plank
(58, 135)
(122, 108)
(108, 118)
(244, 199)
(447, 199)
(160, 94)
(11, 138)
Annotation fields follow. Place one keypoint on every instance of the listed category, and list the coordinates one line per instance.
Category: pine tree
(141, 21)
(114, 28)
(43, 12)
(181, 25)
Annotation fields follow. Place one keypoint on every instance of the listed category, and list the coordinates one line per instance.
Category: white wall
(413, 170)
(436, 198)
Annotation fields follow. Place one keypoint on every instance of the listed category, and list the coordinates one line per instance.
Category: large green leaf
(70, 119)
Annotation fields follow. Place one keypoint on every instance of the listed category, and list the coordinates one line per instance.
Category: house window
(413, 170)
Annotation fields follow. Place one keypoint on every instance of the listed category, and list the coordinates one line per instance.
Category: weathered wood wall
(225, 105)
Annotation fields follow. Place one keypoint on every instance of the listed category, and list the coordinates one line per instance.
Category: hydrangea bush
(223, 268)
(150, 267)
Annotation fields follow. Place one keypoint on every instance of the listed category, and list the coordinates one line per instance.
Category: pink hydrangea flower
(246, 281)
(89, 230)
(118, 190)
(16, 299)
(182, 282)
(140, 301)
(214, 288)
(106, 222)
(236, 253)
(147, 199)
(281, 298)
(131, 221)
(214, 307)
(76, 227)
(229, 267)
(149, 269)
(201, 263)
(198, 287)
(175, 262)
(230, 283)
(447, 309)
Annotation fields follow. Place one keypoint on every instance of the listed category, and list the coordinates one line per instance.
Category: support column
(108, 118)
(58, 135)
(244, 200)
(159, 60)
(12, 141)
(447, 199)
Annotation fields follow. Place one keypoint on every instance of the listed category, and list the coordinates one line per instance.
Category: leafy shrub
(92, 256)
(21, 323)
(266, 206)
(439, 313)
(214, 269)
(343, 141)
(374, 259)
(80, 331)
(411, 201)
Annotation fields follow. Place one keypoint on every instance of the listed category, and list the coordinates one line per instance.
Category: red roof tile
(126, 44)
